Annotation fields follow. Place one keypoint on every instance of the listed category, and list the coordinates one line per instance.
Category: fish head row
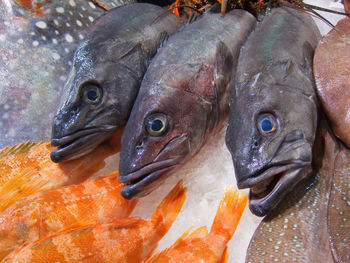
(271, 133)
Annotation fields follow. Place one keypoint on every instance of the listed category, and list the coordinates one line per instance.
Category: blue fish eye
(92, 94)
(156, 124)
(267, 124)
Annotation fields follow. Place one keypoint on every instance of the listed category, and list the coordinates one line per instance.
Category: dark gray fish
(36, 48)
(273, 116)
(105, 77)
(182, 100)
(296, 231)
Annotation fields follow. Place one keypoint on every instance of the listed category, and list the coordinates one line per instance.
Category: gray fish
(273, 116)
(36, 49)
(105, 77)
(296, 231)
(182, 100)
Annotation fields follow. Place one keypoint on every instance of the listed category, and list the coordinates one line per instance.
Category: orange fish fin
(19, 148)
(199, 233)
(225, 254)
(28, 182)
(230, 210)
(168, 210)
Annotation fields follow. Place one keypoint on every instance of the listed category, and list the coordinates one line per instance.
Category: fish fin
(199, 233)
(230, 210)
(225, 255)
(25, 183)
(168, 210)
(19, 148)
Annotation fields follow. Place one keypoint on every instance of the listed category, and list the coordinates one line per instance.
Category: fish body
(127, 240)
(332, 75)
(92, 202)
(273, 115)
(182, 100)
(27, 168)
(105, 76)
(201, 246)
(36, 48)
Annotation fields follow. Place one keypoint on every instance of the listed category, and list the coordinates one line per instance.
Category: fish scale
(39, 49)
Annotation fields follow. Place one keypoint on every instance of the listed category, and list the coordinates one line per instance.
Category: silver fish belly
(105, 76)
(183, 98)
(273, 116)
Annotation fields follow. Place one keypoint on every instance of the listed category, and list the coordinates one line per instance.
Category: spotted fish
(273, 116)
(312, 223)
(36, 50)
(105, 77)
(183, 99)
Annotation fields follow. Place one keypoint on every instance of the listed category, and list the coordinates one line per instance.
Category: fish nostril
(139, 146)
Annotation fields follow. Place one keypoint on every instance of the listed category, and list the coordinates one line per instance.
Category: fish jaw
(80, 143)
(144, 180)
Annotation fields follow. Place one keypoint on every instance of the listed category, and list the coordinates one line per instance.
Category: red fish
(127, 240)
(201, 246)
(92, 202)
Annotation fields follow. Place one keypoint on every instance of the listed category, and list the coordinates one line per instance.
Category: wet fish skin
(109, 65)
(92, 202)
(274, 86)
(187, 88)
(297, 229)
(128, 240)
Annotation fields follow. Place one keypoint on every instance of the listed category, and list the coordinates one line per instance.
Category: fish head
(164, 128)
(94, 103)
(271, 133)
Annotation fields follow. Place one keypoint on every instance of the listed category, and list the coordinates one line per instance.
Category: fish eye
(156, 124)
(92, 94)
(267, 124)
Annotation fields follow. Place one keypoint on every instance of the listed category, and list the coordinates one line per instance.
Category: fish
(36, 47)
(346, 6)
(201, 246)
(107, 70)
(127, 240)
(45, 213)
(273, 114)
(311, 224)
(26, 169)
(332, 75)
(183, 99)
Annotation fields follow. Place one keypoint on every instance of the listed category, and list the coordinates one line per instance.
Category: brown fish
(332, 75)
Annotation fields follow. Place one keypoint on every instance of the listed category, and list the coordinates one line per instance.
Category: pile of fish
(174, 85)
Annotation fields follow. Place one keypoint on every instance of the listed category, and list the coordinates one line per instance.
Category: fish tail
(230, 210)
(168, 210)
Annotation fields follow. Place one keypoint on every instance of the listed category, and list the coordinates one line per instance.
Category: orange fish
(26, 169)
(45, 213)
(201, 246)
(127, 240)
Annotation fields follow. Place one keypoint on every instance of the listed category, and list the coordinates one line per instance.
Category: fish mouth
(80, 143)
(269, 188)
(147, 178)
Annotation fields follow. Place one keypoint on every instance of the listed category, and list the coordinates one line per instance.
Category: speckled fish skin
(36, 52)
(188, 86)
(201, 246)
(92, 202)
(274, 86)
(296, 231)
(110, 63)
(339, 208)
(129, 240)
(332, 75)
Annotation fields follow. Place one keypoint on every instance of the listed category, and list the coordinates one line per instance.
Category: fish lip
(137, 182)
(78, 144)
(277, 186)
(63, 141)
